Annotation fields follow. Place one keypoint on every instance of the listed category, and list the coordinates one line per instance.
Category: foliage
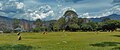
(61, 23)
(38, 26)
(56, 27)
(38, 22)
(16, 23)
(86, 27)
(72, 27)
(110, 25)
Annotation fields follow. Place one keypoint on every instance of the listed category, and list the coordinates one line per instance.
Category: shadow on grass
(15, 47)
(105, 44)
(116, 48)
(116, 35)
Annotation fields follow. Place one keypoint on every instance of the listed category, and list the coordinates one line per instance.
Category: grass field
(61, 41)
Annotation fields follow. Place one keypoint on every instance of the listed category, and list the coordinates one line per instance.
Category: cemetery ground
(61, 41)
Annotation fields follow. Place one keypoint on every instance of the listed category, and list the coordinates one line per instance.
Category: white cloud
(0, 6)
(107, 12)
(39, 13)
(12, 6)
(19, 5)
(12, 0)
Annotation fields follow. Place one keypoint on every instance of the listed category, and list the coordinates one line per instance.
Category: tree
(16, 23)
(51, 25)
(99, 26)
(38, 22)
(72, 27)
(56, 27)
(110, 25)
(71, 16)
(71, 19)
(38, 25)
(61, 23)
(93, 25)
(86, 27)
(118, 25)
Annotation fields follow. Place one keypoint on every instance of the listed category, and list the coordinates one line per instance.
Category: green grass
(61, 41)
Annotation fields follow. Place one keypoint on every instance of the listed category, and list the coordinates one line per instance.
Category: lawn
(61, 41)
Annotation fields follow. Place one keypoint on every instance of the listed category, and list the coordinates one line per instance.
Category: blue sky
(54, 9)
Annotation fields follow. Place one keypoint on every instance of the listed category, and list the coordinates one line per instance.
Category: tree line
(70, 22)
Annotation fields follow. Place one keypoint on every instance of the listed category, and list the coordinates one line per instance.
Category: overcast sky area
(54, 9)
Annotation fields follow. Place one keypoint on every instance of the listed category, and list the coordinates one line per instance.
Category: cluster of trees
(108, 25)
(71, 22)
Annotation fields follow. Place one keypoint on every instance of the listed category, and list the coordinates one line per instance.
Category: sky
(54, 9)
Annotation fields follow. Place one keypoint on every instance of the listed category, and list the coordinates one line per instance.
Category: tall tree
(71, 19)
(16, 23)
(86, 27)
(38, 25)
(61, 23)
(110, 25)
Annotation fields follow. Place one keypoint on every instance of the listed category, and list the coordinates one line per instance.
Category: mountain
(96, 19)
(4, 18)
(7, 19)
(112, 17)
(7, 23)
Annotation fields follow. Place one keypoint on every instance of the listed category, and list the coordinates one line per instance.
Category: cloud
(107, 12)
(42, 12)
(12, 6)
(19, 5)
(22, 10)
(74, 1)
(116, 1)
(0, 6)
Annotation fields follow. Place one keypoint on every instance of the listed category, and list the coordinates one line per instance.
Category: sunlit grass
(64, 40)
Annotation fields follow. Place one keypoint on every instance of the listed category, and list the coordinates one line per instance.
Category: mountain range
(112, 17)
